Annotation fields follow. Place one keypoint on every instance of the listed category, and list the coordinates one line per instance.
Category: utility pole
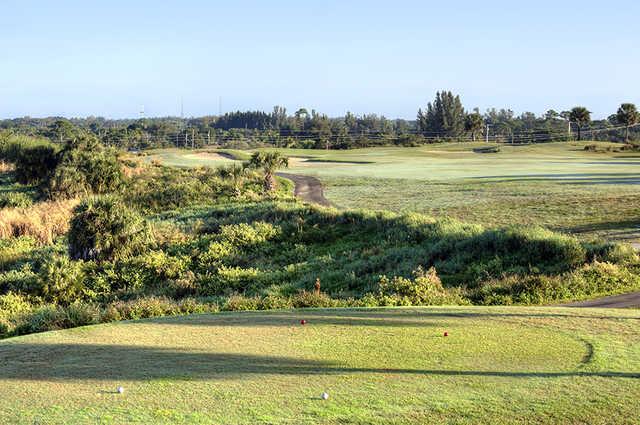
(487, 134)
(193, 138)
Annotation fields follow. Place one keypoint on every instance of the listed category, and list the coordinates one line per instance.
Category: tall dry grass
(5, 167)
(133, 167)
(44, 221)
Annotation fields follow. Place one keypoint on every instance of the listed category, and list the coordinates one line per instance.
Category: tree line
(442, 119)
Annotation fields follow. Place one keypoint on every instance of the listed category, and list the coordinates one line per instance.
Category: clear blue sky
(107, 58)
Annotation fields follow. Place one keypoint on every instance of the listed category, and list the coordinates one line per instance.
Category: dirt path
(614, 301)
(308, 188)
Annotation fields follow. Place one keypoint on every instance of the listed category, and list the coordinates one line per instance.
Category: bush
(34, 159)
(425, 289)
(588, 281)
(15, 200)
(42, 319)
(24, 281)
(85, 166)
(104, 229)
(15, 249)
(13, 304)
(305, 299)
(68, 182)
(62, 281)
(163, 188)
(611, 252)
(81, 314)
(241, 303)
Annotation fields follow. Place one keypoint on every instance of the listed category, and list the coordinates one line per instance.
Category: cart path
(615, 301)
(307, 188)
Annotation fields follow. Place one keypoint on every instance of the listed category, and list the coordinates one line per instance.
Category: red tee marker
(303, 322)
(446, 334)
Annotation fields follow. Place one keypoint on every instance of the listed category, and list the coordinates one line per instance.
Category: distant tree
(269, 163)
(62, 130)
(627, 115)
(279, 117)
(301, 117)
(474, 124)
(580, 116)
(444, 117)
(551, 115)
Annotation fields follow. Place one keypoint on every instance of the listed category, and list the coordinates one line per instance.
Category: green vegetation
(227, 239)
(268, 163)
(444, 119)
(556, 185)
(266, 254)
(379, 366)
(105, 229)
(580, 116)
(628, 115)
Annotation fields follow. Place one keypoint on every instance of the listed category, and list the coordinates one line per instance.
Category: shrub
(61, 280)
(611, 252)
(15, 249)
(147, 307)
(305, 299)
(34, 159)
(85, 166)
(227, 280)
(425, 289)
(15, 200)
(24, 281)
(68, 182)
(13, 304)
(104, 229)
(245, 235)
(588, 281)
(241, 303)
(163, 188)
(81, 314)
(42, 319)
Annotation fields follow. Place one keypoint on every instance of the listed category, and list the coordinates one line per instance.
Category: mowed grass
(498, 365)
(558, 185)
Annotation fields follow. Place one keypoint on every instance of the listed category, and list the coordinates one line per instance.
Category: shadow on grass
(631, 226)
(27, 361)
(567, 179)
(353, 317)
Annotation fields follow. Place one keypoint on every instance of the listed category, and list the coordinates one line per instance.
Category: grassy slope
(558, 184)
(379, 366)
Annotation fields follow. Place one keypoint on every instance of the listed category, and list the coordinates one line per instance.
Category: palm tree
(268, 162)
(237, 173)
(580, 116)
(474, 124)
(628, 115)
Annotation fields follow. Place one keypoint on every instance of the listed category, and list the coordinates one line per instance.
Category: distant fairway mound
(378, 366)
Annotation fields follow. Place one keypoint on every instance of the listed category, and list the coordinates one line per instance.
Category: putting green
(378, 366)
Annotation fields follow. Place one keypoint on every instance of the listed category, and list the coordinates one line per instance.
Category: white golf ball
(120, 390)
(325, 396)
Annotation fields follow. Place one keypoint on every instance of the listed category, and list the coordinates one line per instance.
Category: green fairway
(498, 365)
(558, 185)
